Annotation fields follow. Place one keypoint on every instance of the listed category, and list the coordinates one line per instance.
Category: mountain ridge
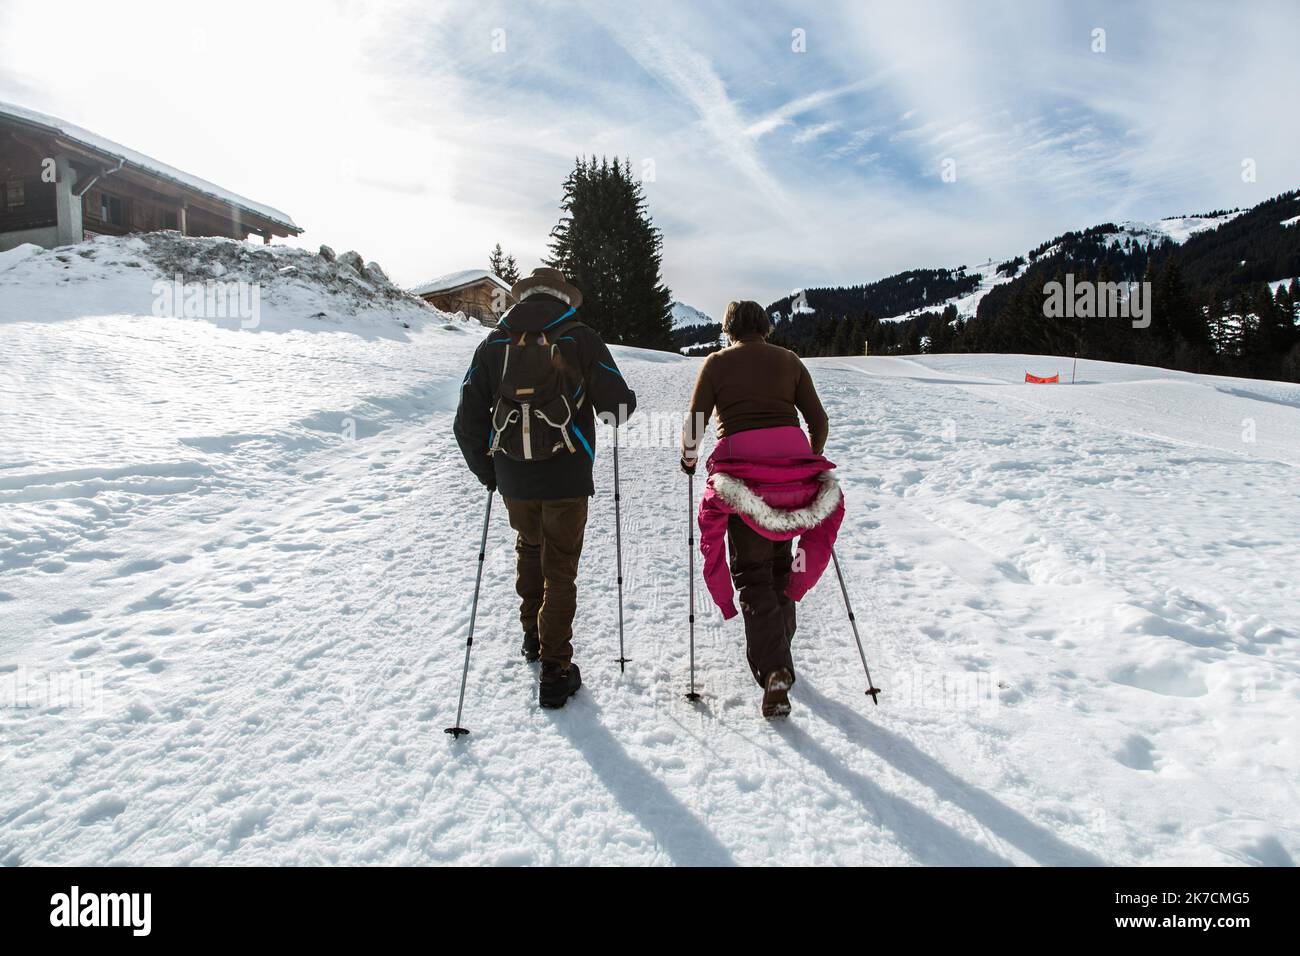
(1228, 297)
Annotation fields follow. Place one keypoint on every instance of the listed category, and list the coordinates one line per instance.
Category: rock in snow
(353, 261)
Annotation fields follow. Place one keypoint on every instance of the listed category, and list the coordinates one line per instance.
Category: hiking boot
(776, 693)
(558, 684)
(532, 648)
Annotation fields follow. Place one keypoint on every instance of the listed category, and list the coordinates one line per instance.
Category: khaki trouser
(548, 547)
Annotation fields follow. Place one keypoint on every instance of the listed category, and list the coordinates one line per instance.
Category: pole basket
(456, 732)
(873, 693)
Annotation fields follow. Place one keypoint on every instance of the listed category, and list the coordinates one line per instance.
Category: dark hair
(746, 318)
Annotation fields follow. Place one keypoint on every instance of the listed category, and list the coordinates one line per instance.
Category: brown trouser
(548, 547)
(760, 569)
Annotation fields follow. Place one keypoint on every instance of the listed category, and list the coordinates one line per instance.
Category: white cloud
(398, 132)
(809, 133)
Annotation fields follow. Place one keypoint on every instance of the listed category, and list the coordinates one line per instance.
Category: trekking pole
(618, 557)
(872, 690)
(690, 550)
(458, 731)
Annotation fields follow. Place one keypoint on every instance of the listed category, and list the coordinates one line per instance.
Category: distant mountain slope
(893, 295)
(685, 316)
(694, 332)
(1222, 296)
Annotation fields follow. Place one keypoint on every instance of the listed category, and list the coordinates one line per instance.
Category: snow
(687, 316)
(1180, 228)
(254, 549)
(116, 151)
(967, 304)
(1291, 222)
(11, 257)
(454, 280)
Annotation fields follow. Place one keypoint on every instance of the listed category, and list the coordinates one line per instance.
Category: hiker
(526, 426)
(768, 484)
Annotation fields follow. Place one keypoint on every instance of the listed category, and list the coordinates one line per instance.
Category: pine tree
(912, 343)
(942, 333)
(1182, 320)
(874, 334)
(843, 342)
(502, 265)
(1277, 330)
(606, 244)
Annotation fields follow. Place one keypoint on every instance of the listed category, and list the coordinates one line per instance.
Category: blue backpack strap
(572, 311)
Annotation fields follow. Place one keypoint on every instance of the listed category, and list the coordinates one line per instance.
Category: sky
(780, 145)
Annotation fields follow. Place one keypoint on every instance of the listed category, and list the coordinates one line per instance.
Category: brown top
(753, 384)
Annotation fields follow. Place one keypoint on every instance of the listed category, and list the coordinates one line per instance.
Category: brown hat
(550, 281)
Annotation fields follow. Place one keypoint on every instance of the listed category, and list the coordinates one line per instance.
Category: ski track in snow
(1083, 619)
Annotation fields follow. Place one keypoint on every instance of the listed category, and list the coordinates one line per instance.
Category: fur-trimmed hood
(744, 500)
(791, 496)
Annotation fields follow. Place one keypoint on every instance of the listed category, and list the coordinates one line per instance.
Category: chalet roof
(458, 280)
(129, 157)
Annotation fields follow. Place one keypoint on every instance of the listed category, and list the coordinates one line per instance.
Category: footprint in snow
(137, 567)
(1137, 753)
(1168, 678)
(71, 616)
(105, 808)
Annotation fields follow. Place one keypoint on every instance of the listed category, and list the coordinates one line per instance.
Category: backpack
(532, 409)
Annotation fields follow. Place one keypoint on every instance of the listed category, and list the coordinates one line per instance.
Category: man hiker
(526, 426)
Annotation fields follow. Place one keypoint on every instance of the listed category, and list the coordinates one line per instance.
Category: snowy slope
(687, 316)
(1180, 228)
(968, 303)
(1080, 601)
(1177, 228)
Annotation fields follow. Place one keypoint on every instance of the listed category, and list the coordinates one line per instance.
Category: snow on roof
(455, 280)
(129, 156)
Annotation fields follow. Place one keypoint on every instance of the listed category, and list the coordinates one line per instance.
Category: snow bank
(120, 275)
(11, 257)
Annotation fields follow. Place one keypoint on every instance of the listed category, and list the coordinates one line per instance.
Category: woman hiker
(768, 484)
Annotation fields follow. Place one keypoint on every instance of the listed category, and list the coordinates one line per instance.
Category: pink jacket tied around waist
(771, 478)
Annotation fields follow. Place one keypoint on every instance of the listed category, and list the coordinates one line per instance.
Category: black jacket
(565, 475)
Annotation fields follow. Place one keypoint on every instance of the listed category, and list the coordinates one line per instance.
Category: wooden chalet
(60, 184)
(477, 293)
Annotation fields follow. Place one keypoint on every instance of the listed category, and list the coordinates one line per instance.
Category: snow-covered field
(235, 568)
